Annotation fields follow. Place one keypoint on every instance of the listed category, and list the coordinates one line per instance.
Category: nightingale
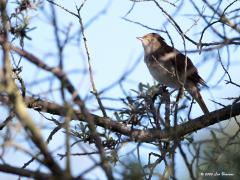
(172, 68)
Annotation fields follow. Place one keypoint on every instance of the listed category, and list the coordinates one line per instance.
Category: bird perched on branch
(171, 68)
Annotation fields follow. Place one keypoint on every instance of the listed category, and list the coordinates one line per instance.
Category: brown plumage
(167, 66)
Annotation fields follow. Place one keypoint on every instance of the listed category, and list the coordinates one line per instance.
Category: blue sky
(114, 49)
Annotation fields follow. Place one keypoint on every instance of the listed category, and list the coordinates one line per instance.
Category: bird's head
(151, 42)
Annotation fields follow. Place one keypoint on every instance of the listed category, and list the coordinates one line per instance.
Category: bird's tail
(195, 93)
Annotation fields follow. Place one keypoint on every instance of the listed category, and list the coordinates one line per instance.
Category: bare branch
(24, 172)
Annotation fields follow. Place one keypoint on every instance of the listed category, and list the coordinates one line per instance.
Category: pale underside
(164, 73)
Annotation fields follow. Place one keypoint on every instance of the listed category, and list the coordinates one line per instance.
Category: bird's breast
(163, 72)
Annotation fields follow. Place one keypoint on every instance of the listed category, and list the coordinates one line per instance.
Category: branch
(94, 89)
(16, 100)
(63, 78)
(76, 98)
(105, 165)
(148, 135)
(24, 172)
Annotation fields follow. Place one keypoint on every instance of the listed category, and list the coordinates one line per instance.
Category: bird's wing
(192, 73)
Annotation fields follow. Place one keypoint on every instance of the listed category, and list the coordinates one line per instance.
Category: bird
(171, 68)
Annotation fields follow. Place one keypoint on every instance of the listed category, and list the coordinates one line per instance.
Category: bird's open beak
(140, 38)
